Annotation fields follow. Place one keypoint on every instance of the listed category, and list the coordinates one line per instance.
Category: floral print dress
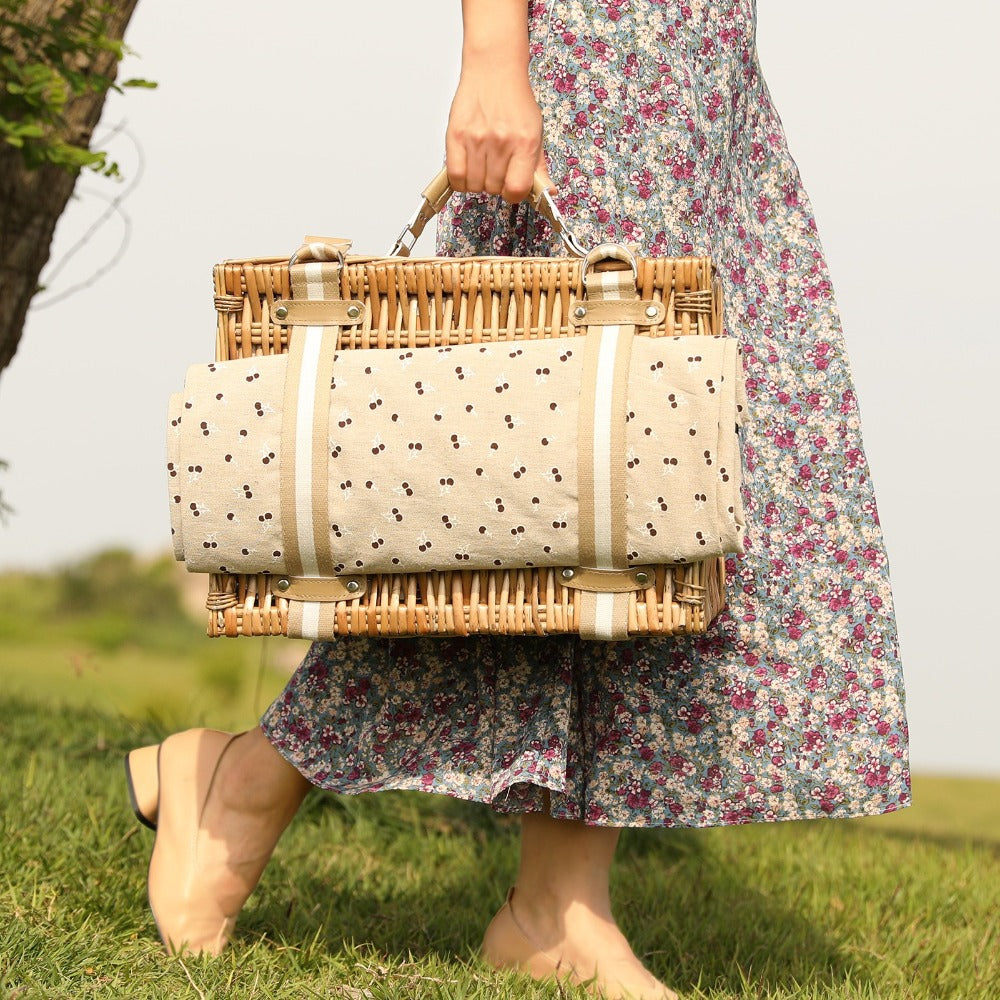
(660, 131)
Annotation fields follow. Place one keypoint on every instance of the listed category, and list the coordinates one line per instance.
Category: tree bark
(31, 201)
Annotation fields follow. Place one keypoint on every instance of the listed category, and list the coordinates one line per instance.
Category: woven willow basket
(419, 302)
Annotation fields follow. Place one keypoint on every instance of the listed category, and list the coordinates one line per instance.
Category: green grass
(112, 633)
(386, 895)
(389, 893)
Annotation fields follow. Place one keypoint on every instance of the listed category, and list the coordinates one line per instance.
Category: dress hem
(416, 784)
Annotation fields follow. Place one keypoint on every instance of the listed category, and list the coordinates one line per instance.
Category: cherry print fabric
(660, 130)
(499, 491)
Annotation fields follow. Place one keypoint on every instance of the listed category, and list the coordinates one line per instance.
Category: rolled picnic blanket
(479, 455)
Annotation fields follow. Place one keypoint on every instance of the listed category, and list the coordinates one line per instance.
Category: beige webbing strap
(601, 443)
(312, 619)
(305, 435)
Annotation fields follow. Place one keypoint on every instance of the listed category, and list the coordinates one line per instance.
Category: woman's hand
(493, 142)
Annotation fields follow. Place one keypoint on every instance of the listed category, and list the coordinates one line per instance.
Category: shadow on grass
(691, 916)
(943, 841)
(418, 876)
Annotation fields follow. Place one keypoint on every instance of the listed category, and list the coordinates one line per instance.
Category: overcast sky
(889, 110)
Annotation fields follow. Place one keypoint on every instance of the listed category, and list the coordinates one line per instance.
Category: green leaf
(30, 131)
(42, 68)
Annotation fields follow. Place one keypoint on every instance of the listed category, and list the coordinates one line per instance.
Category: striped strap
(313, 619)
(602, 445)
(304, 438)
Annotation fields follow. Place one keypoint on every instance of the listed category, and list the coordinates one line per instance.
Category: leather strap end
(320, 590)
(608, 581)
(320, 312)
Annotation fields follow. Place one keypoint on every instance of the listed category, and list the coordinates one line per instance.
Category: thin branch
(114, 204)
(50, 300)
(5, 508)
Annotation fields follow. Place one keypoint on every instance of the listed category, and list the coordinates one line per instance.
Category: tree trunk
(31, 201)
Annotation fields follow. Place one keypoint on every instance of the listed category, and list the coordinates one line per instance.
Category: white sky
(271, 122)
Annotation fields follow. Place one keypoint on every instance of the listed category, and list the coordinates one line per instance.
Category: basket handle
(440, 190)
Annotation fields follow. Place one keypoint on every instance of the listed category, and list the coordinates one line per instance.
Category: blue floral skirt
(660, 131)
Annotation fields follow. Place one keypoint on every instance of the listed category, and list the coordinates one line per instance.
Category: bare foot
(582, 945)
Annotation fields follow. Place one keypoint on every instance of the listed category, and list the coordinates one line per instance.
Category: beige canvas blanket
(458, 457)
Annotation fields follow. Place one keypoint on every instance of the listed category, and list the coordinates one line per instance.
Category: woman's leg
(562, 904)
(256, 781)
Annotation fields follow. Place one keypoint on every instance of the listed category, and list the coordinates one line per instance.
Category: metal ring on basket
(609, 251)
(317, 252)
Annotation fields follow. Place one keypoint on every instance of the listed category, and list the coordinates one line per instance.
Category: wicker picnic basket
(427, 302)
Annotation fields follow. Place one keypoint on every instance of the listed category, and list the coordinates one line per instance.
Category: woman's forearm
(495, 33)
(494, 137)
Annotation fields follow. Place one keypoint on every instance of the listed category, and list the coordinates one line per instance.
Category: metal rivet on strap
(568, 574)
(353, 586)
(580, 311)
(651, 311)
(642, 578)
(283, 584)
(354, 311)
(281, 312)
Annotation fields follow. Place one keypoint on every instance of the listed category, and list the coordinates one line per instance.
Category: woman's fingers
(455, 161)
(497, 159)
(495, 170)
(493, 142)
(513, 183)
(518, 177)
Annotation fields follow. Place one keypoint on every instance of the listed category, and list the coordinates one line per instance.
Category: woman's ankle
(555, 915)
(254, 778)
(560, 895)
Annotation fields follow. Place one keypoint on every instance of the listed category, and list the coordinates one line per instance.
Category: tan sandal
(185, 912)
(141, 780)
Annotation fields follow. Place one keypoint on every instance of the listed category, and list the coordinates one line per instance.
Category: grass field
(386, 895)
